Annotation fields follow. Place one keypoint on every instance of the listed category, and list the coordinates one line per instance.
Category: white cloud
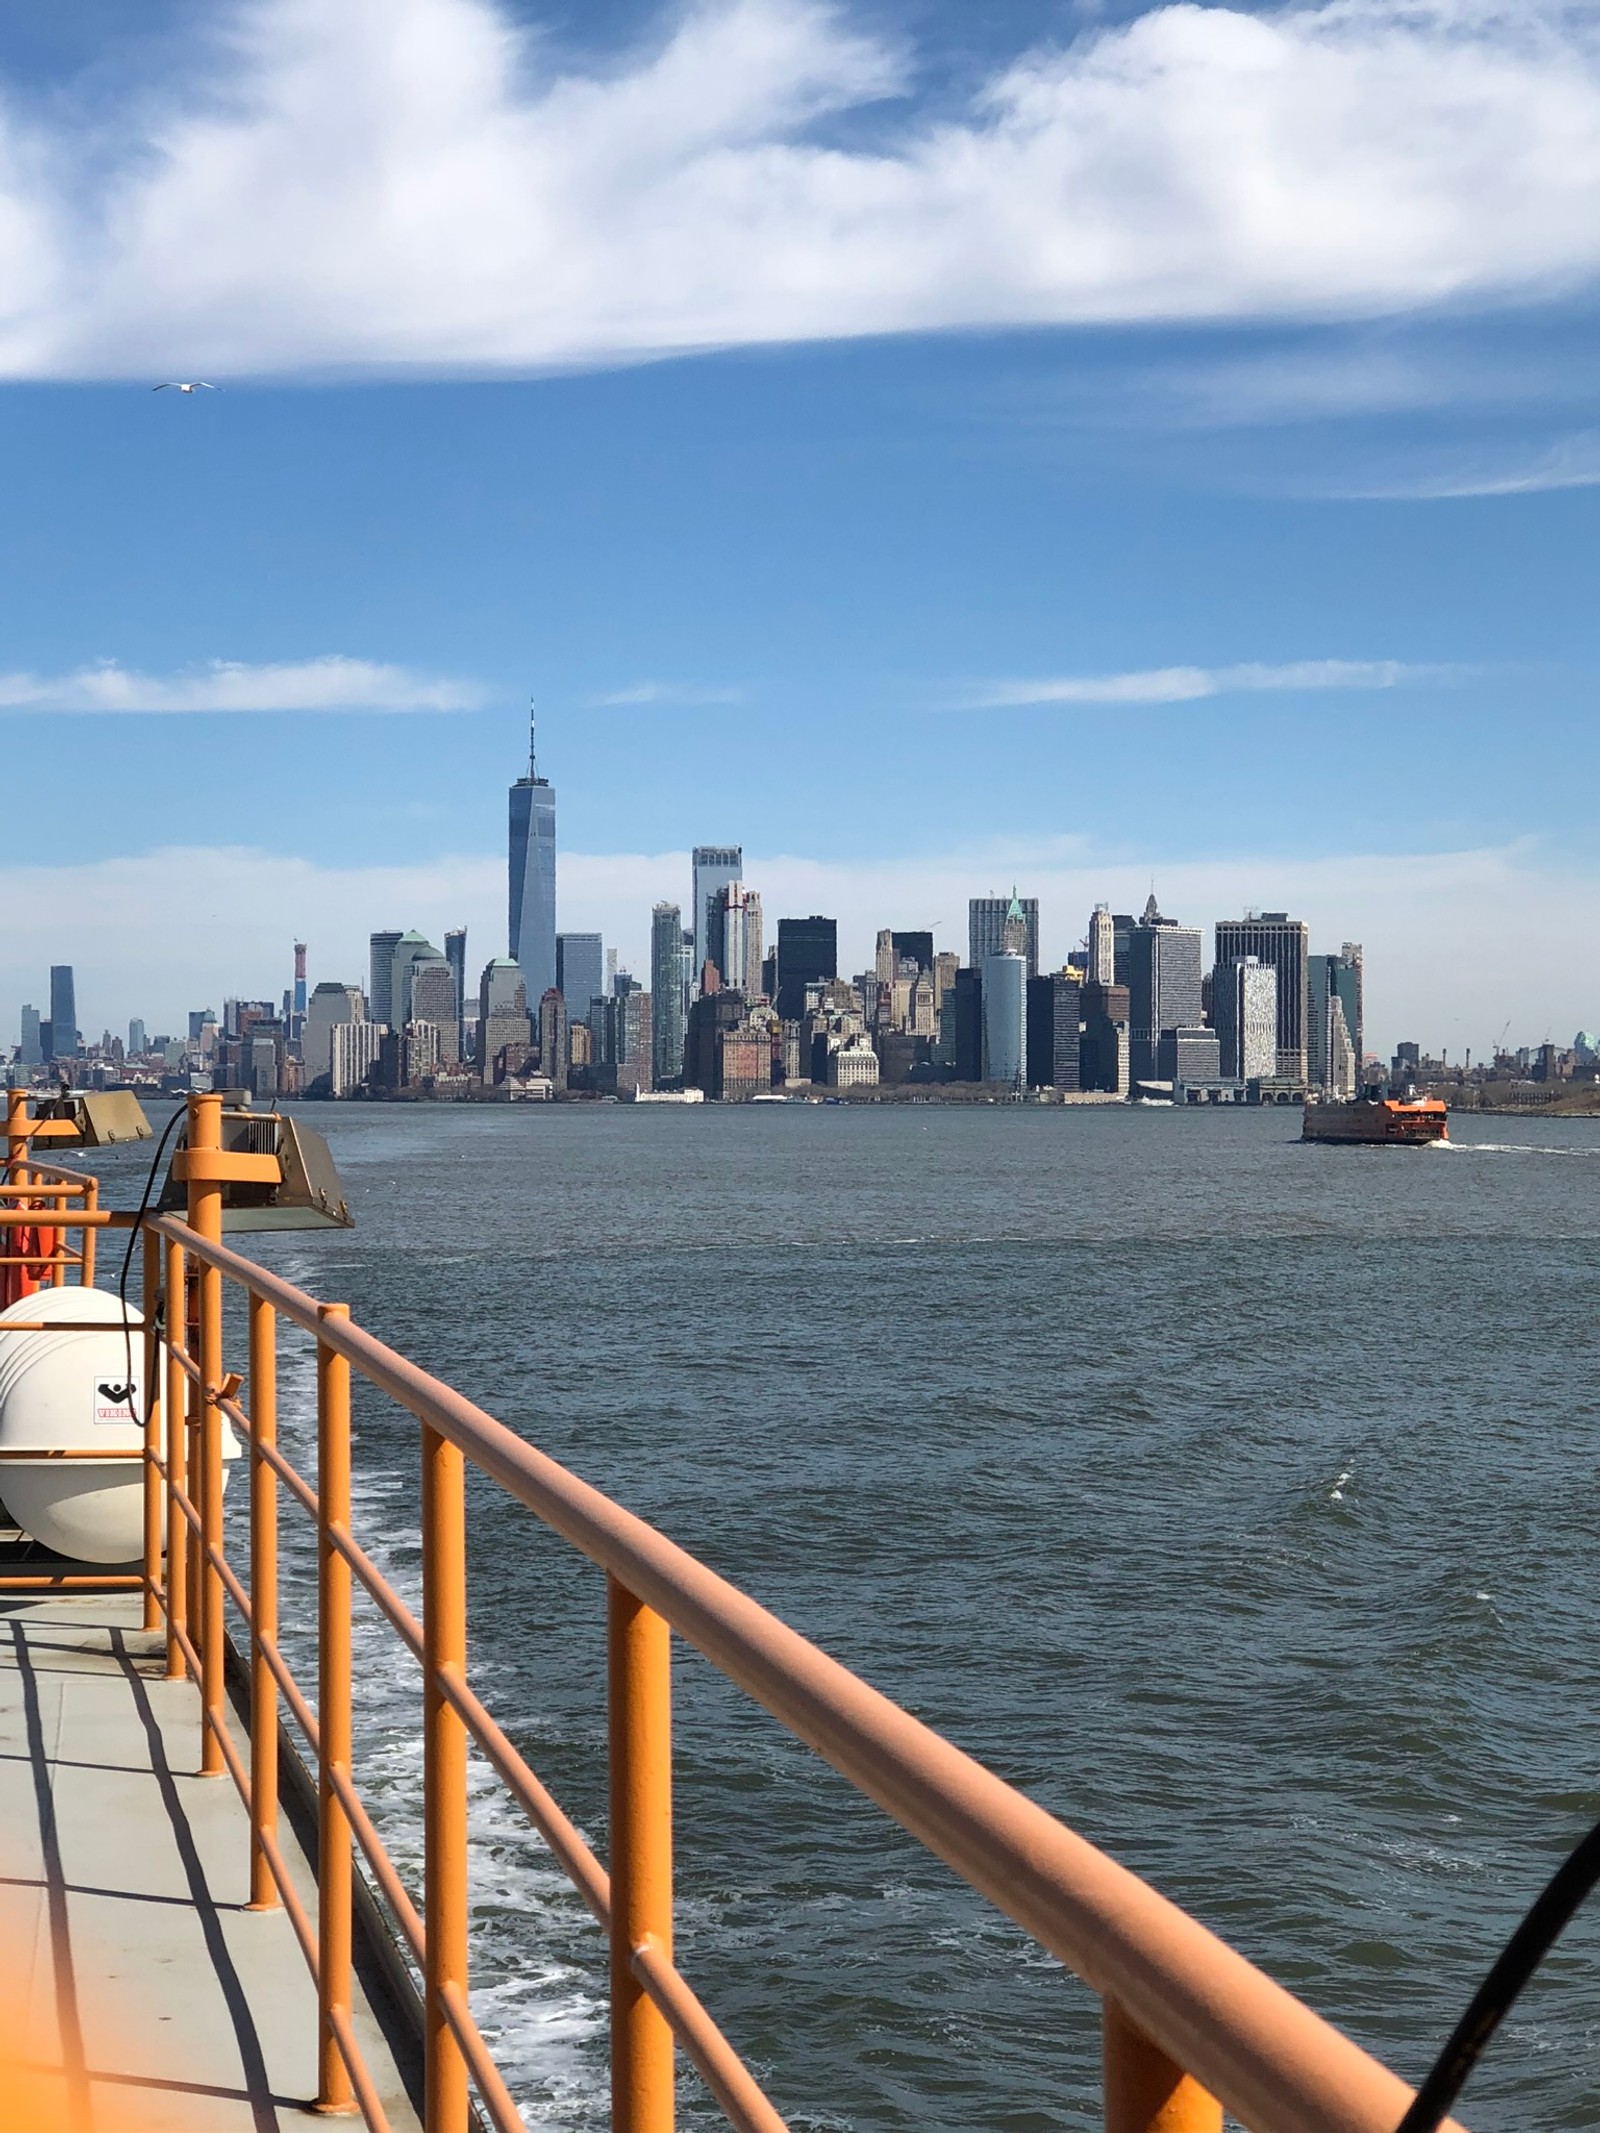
(662, 692)
(1457, 943)
(330, 683)
(1571, 463)
(420, 183)
(1181, 685)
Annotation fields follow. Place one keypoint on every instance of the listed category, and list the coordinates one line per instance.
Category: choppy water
(1234, 1498)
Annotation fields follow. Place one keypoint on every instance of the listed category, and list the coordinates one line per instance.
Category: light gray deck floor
(153, 1997)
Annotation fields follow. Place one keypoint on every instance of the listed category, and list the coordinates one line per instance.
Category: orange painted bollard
(444, 1637)
(335, 1864)
(205, 1219)
(639, 1682)
(151, 1249)
(263, 1602)
(177, 1463)
(1145, 2092)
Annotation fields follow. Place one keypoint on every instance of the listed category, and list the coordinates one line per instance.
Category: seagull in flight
(184, 385)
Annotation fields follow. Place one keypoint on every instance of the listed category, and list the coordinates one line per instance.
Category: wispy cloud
(1181, 685)
(663, 692)
(329, 683)
(428, 183)
(1571, 463)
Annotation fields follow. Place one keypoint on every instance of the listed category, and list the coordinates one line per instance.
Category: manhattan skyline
(1259, 577)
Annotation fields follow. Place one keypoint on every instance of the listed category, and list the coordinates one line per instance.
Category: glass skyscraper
(668, 994)
(580, 971)
(531, 929)
(715, 866)
(63, 1013)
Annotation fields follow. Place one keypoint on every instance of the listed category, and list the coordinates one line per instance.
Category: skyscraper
(409, 950)
(1053, 1031)
(1352, 991)
(1164, 988)
(1005, 1018)
(532, 925)
(715, 865)
(808, 954)
(455, 954)
(1273, 937)
(32, 1041)
(63, 1013)
(986, 924)
(580, 971)
(1244, 1014)
(380, 977)
(1102, 968)
(137, 1039)
(1333, 1016)
(734, 938)
(297, 1007)
(667, 994)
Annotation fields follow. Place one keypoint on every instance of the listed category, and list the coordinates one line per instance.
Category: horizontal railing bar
(55, 1217)
(383, 1867)
(583, 1869)
(74, 1325)
(719, 2065)
(77, 1581)
(301, 1488)
(356, 2066)
(1268, 2058)
(496, 2096)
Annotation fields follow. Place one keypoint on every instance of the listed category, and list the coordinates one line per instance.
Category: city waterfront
(1225, 1493)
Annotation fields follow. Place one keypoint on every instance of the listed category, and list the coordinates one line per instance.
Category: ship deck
(148, 1993)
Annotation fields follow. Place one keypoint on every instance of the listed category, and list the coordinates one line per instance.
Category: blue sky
(931, 446)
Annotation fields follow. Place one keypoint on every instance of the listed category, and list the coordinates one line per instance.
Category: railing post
(639, 1683)
(444, 1633)
(173, 1287)
(263, 1601)
(150, 1246)
(334, 1863)
(1145, 2092)
(205, 1219)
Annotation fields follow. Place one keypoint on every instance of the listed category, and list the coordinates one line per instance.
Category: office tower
(433, 999)
(1102, 960)
(354, 1049)
(331, 1006)
(1352, 991)
(297, 1010)
(1244, 1014)
(915, 947)
(808, 954)
(1122, 925)
(1333, 1004)
(531, 928)
(380, 977)
(1164, 986)
(1103, 1051)
(734, 938)
(1054, 1013)
(945, 965)
(32, 1051)
(63, 1013)
(580, 971)
(455, 954)
(883, 961)
(667, 994)
(1005, 1017)
(715, 866)
(555, 1053)
(1188, 1055)
(986, 925)
(502, 1012)
(1273, 937)
(138, 1041)
(409, 950)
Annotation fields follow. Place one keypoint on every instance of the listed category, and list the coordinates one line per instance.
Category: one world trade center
(532, 925)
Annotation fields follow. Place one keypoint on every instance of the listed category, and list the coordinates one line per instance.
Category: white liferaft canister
(81, 1391)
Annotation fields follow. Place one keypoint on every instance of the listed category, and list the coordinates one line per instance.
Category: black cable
(127, 1257)
(1496, 1996)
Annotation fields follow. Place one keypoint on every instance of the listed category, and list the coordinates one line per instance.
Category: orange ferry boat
(1377, 1120)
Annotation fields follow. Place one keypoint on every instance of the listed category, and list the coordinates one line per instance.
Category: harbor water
(1235, 1498)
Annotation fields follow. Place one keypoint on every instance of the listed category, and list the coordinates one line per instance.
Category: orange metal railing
(1190, 2028)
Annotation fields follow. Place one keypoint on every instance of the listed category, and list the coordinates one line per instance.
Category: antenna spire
(533, 765)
